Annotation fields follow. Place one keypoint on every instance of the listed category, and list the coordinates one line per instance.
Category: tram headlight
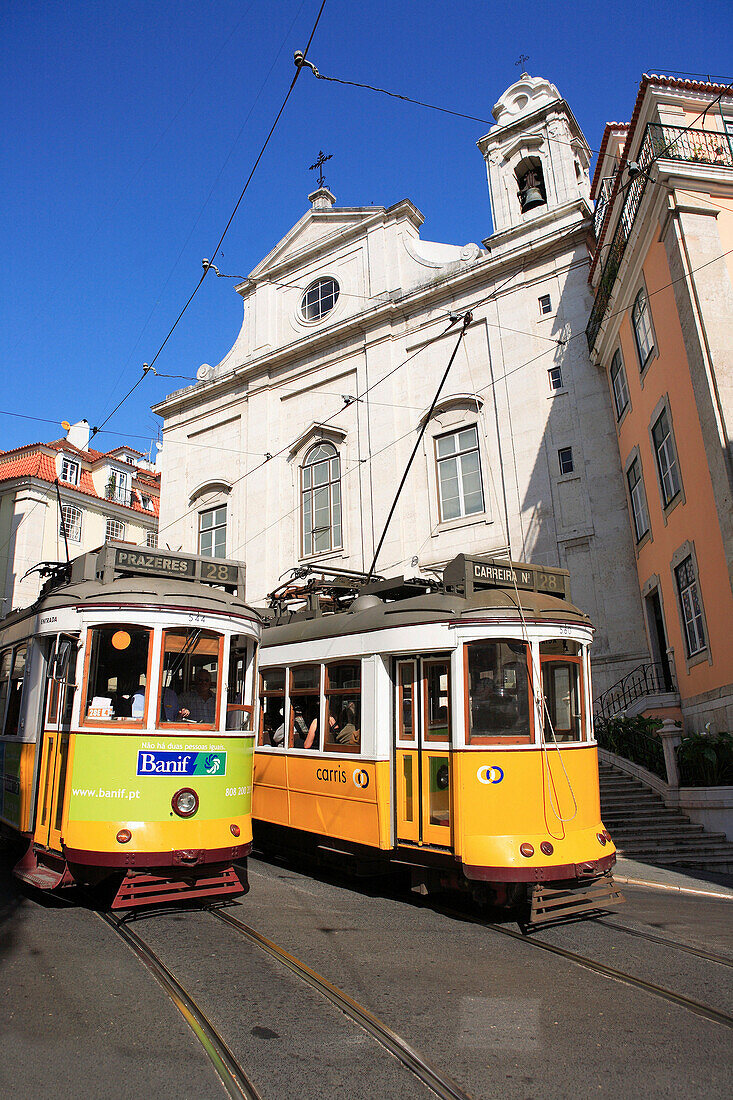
(601, 839)
(526, 849)
(124, 836)
(185, 802)
(546, 848)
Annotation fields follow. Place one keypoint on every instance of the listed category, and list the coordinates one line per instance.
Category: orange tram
(127, 696)
(442, 727)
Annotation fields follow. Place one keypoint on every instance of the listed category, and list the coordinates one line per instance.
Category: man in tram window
(306, 737)
(346, 732)
(201, 702)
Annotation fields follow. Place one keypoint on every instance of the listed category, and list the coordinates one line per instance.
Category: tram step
(549, 904)
(44, 870)
(139, 888)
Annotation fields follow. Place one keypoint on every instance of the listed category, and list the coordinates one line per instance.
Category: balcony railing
(602, 203)
(118, 496)
(647, 679)
(660, 142)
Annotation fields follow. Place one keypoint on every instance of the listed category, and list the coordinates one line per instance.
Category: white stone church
(290, 450)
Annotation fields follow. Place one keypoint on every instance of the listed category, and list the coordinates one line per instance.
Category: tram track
(436, 1081)
(234, 1079)
(598, 967)
(651, 937)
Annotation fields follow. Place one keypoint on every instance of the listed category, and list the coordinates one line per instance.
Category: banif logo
(490, 773)
(361, 778)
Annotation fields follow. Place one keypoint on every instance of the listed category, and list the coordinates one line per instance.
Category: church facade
(290, 450)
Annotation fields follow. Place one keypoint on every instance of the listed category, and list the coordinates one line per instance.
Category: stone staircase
(643, 828)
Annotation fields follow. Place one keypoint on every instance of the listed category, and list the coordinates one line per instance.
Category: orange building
(662, 329)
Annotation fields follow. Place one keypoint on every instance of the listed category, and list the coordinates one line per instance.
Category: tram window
(498, 692)
(560, 647)
(343, 707)
(118, 673)
(407, 702)
(437, 700)
(239, 713)
(190, 678)
(15, 690)
(305, 706)
(561, 687)
(272, 704)
(6, 659)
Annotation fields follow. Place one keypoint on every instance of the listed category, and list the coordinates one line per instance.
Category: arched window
(642, 321)
(321, 500)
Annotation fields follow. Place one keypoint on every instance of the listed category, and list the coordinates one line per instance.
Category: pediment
(314, 233)
(315, 433)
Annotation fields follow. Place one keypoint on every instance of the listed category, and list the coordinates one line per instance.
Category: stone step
(641, 818)
(683, 848)
(660, 829)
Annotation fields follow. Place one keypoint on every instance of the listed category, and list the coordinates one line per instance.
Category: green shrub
(635, 739)
(706, 760)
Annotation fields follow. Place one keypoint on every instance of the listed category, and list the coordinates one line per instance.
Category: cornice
(485, 269)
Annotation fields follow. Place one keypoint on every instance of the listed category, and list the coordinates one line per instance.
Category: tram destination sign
(166, 563)
(475, 574)
(162, 565)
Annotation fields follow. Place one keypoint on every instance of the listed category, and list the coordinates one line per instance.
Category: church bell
(531, 197)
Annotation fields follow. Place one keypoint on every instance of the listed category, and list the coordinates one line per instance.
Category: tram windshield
(118, 673)
(561, 686)
(190, 679)
(498, 691)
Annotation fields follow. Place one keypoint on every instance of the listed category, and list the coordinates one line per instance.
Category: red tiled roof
(34, 461)
(611, 128)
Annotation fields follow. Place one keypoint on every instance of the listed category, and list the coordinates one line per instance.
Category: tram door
(422, 751)
(56, 736)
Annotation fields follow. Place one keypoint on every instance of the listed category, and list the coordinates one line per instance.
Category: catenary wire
(214, 253)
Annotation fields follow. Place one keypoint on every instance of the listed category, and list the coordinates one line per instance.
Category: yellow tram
(442, 726)
(127, 694)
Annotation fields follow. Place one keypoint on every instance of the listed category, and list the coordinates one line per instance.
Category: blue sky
(129, 129)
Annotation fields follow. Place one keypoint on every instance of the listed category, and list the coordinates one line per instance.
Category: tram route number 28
(210, 571)
(232, 791)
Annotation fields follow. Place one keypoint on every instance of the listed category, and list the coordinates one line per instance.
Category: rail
(707, 147)
(649, 678)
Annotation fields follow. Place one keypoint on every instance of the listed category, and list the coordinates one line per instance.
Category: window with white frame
(545, 304)
(666, 454)
(638, 499)
(565, 460)
(72, 521)
(118, 486)
(69, 471)
(619, 384)
(115, 530)
(460, 488)
(321, 500)
(641, 319)
(319, 299)
(151, 539)
(554, 375)
(690, 606)
(213, 532)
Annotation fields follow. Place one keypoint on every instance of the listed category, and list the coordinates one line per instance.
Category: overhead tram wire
(466, 321)
(146, 367)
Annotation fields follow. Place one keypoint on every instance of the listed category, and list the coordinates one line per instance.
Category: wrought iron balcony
(602, 203)
(646, 679)
(706, 147)
(117, 495)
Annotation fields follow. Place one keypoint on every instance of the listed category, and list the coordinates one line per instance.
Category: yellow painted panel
(270, 804)
(157, 836)
(508, 798)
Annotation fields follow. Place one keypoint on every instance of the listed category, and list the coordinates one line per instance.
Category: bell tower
(537, 159)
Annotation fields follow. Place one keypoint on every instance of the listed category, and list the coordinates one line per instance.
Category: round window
(319, 299)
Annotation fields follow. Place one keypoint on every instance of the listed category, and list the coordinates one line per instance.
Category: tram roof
(368, 612)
